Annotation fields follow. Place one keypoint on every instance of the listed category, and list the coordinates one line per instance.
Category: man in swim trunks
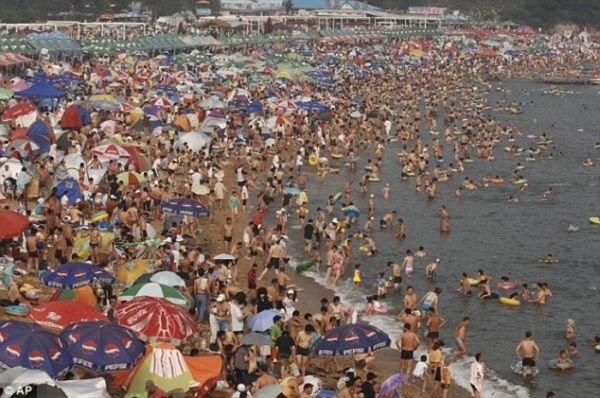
(434, 324)
(528, 352)
(276, 253)
(304, 340)
(396, 274)
(460, 334)
(407, 343)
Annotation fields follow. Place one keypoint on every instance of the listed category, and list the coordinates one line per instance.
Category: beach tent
(71, 187)
(196, 141)
(42, 135)
(169, 369)
(75, 117)
(41, 89)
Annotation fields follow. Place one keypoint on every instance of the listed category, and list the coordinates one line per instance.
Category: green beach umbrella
(153, 289)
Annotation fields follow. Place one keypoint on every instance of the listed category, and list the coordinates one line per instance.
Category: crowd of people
(251, 175)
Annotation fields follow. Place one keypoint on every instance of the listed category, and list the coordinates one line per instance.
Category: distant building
(354, 5)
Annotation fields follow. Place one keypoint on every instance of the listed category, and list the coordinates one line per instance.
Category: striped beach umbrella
(153, 289)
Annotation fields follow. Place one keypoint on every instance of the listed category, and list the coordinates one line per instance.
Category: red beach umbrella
(12, 224)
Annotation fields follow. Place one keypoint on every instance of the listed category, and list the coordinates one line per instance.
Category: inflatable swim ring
(337, 197)
(353, 158)
(99, 216)
(511, 302)
(530, 159)
(468, 161)
(595, 220)
(518, 368)
(368, 168)
(395, 139)
(373, 179)
(560, 366)
(313, 160)
(597, 348)
(16, 310)
(545, 142)
(304, 265)
(217, 149)
(337, 155)
(520, 181)
(496, 181)
(473, 282)
(508, 286)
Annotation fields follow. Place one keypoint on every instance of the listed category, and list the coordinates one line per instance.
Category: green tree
(288, 5)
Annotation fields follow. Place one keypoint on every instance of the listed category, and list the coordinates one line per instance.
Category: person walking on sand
(407, 343)
(477, 374)
(528, 352)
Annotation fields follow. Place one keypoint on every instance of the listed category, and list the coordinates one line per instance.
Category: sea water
(501, 238)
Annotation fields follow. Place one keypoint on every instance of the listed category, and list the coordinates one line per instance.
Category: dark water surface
(503, 239)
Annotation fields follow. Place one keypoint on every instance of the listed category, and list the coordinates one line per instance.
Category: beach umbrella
(195, 141)
(258, 339)
(72, 275)
(185, 206)
(104, 105)
(21, 109)
(270, 391)
(351, 339)
(5, 94)
(108, 152)
(160, 319)
(58, 315)
(161, 102)
(20, 376)
(130, 178)
(12, 224)
(167, 278)
(23, 146)
(102, 346)
(263, 320)
(224, 257)
(392, 383)
(132, 270)
(287, 105)
(32, 347)
(153, 289)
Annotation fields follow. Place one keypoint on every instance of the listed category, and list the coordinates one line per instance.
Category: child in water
(357, 276)
(381, 283)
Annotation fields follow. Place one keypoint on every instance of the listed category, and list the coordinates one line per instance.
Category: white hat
(290, 291)
(168, 240)
(437, 260)
(334, 221)
(372, 195)
(241, 388)
(179, 238)
(191, 171)
(220, 298)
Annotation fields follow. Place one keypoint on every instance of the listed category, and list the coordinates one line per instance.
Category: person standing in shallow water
(528, 352)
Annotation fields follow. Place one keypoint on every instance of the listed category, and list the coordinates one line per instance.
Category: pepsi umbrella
(351, 339)
(263, 320)
(32, 347)
(185, 206)
(102, 346)
(392, 383)
(73, 275)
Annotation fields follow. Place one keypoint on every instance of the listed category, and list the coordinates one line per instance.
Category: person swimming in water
(549, 259)
(408, 263)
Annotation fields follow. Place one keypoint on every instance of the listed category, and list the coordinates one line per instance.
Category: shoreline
(387, 360)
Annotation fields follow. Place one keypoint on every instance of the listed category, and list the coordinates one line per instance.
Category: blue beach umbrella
(74, 275)
(351, 339)
(263, 320)
(102, 346)
(185, 206)
(392, 383)
(32, 347)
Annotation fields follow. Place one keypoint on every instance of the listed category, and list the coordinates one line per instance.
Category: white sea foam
(494, 387)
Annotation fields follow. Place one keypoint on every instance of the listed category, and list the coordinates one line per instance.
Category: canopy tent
(9, 59)
(75, 117)
(41, 90)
